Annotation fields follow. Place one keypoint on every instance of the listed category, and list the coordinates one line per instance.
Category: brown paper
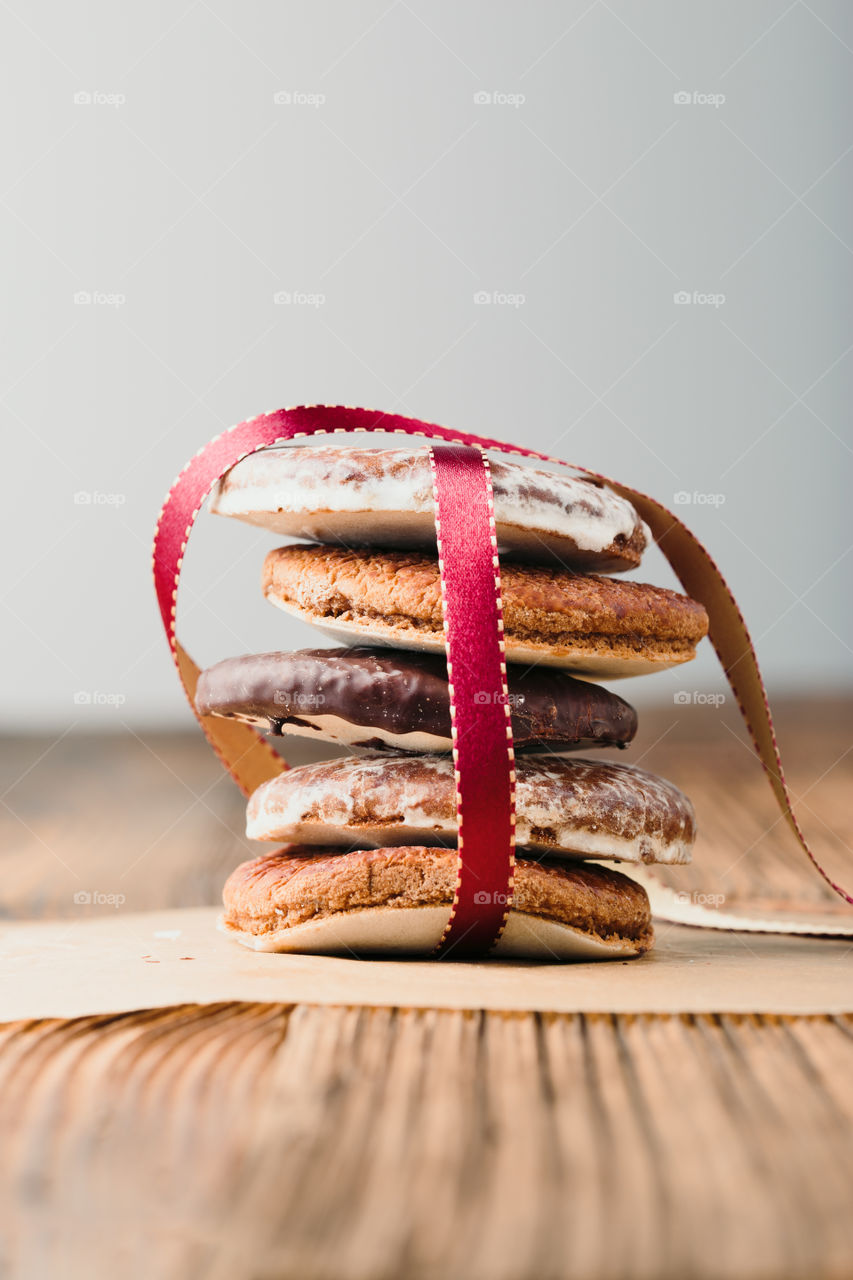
(120, 963)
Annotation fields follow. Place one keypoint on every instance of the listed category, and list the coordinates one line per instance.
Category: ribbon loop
(251, 760)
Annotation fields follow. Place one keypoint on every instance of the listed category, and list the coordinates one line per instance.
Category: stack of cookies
(369, 863)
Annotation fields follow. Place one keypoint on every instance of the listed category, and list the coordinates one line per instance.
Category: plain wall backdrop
(174, 173)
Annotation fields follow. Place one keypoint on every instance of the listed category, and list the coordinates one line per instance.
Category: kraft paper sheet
(124, 962)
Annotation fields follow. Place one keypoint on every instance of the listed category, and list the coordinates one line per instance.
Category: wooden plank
(354, 1143)
(268, 1140)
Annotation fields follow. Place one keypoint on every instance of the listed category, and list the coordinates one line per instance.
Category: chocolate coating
(403, 692)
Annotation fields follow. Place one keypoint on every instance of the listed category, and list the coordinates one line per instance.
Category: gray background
(181, 197)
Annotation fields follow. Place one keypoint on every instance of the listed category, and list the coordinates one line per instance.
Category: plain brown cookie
(398, 900)
(596, 626)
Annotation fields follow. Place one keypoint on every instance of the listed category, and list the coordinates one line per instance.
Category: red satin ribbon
(479, 700)
(246, 754)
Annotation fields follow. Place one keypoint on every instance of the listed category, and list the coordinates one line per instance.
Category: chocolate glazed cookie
(384, 698)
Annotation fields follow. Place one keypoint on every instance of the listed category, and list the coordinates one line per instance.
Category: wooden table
(267, 1140)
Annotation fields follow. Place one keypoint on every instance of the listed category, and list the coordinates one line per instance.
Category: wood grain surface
(257, 1140)
(260, 1141)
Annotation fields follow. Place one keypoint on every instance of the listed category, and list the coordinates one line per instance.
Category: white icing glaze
(305, 480)
(316, 805)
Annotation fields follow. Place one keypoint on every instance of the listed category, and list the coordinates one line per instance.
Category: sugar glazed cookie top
(275, 485)
(584, 808)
